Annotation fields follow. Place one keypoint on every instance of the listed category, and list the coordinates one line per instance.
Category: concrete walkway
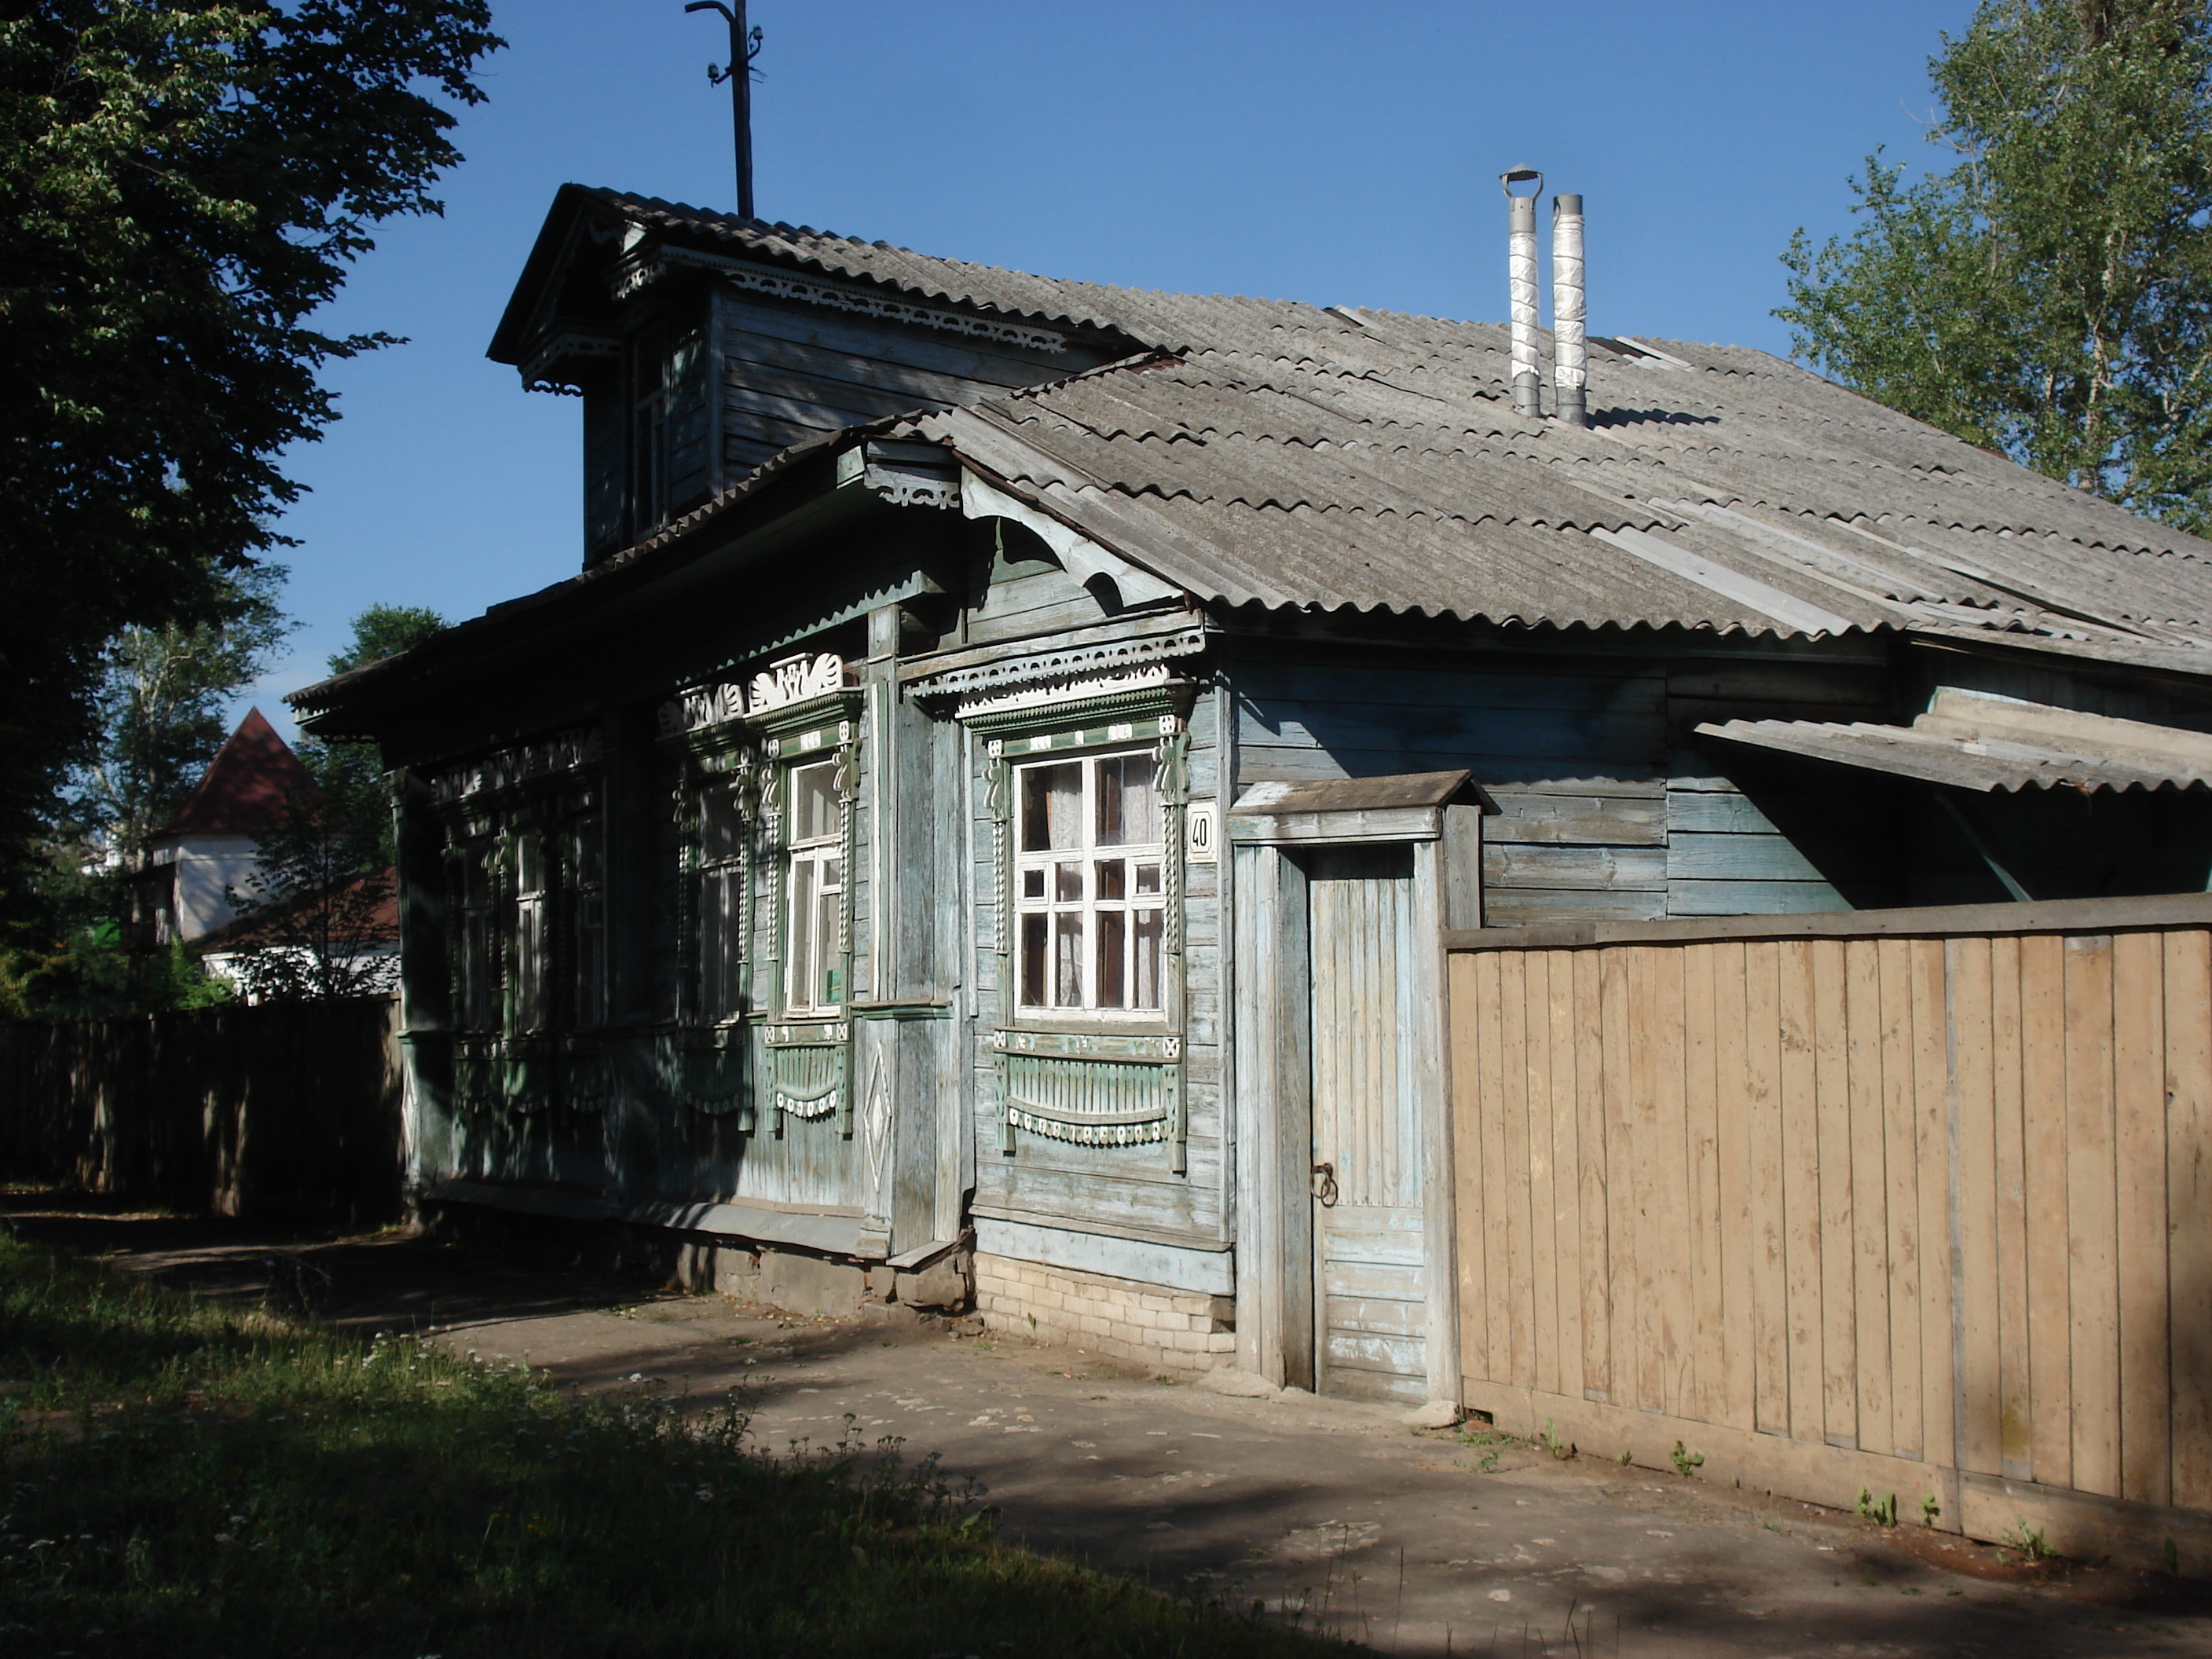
(1330, 1513)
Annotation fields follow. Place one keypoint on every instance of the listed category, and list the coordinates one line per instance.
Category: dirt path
(1416, 1543)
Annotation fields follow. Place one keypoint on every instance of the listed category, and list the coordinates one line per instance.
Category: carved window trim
(1078, 1078)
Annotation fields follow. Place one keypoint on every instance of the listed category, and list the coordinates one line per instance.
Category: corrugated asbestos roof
(1276, 453)
(1986, 743)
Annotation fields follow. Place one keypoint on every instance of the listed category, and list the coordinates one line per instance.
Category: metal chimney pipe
(1570, 345)
(1521, 272)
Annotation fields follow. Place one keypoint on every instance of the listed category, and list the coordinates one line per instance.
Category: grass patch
(180, 1477)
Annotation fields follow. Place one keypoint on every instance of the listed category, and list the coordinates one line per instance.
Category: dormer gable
(703, 345)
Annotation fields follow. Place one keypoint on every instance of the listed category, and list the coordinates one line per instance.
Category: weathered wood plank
(1605, 868)
(1696, 856)
(1670, 1122)
(1530, 814)
(2187, 1023)
(2091, 1220)
(1831, 1082)
(1931, 1153)
(1496, 1183)
(1715, 811)
(1732, 1130)
(2043, 1124)
(1620, 1180)
(1973, 1045)
(1445, 729)
(1639, 696)
(1706, 1347)
(1870, 1288)
(1593, 1280)
(1804, 1263)
(1543, 1243)
(1898, 1057)
(2139, 1150)
(1766, 1188)
(1461, 973)
(1565, 1218)
(1525, 907)
(1649, 1245)
(1520, 1280)
(2008, 1057)
(1751, 898)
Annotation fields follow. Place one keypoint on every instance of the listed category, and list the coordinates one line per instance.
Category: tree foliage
(2049, 294)
(314, 906)
(309, 917)
(349, 770)
(162, 702)
(182, 186)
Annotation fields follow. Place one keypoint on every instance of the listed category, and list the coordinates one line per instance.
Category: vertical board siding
(1946, 1202)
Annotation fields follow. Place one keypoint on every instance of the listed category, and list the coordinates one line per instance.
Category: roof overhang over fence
(1972, 741)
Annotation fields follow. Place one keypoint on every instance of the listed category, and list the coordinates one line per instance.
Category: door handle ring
(1325, 1188)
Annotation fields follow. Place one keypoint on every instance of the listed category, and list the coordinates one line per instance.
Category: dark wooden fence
(286, 1108)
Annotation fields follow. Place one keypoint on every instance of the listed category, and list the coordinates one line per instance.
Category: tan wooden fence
(1915, 1202)
(279, 1109)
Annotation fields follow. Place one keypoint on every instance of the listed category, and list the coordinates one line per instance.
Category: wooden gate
(1371, 1284)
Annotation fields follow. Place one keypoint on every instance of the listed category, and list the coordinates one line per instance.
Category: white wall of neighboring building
(206, 865)
(380, 964)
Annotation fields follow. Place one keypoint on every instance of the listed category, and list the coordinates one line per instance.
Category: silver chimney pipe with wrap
(1570, 345)
(1521, 272)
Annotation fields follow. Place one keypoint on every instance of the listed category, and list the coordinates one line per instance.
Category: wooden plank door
(1370, 1282)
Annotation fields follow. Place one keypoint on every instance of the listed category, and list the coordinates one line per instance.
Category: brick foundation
(1144, 1324)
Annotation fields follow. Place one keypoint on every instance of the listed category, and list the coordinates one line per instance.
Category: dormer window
(648, 436)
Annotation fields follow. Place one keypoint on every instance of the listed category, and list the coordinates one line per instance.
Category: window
(583, 894)
(815, 981)
(720, 915)
(476, 964)
(1088, 892)
(526, 984)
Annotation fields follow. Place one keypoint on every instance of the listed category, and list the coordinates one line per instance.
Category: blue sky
(1341, 154)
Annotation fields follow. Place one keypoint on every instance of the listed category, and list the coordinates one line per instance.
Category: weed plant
(179, 1478)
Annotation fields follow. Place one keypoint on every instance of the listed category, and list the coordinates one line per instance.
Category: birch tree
(2047, 294)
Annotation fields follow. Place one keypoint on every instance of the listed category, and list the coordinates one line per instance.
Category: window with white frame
(477, 865)
(583, 893)
(720, 906)
(814, 977)
(1088, 892)
(527, 980)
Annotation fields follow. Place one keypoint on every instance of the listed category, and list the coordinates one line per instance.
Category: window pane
(800, 969)
(1068, 883)
(1111, 941)
(1148, 878)
(529, 865)
(1067, 960)
(1146, 973)
(1110, 879)
(720, 950)
(829, 988)
(1032, 884)
(1033, 952)
(1129, 806)
(833, 874)
(814, 802)
(529, 966)
(719, 834)
(1052, 797)
(589, 933)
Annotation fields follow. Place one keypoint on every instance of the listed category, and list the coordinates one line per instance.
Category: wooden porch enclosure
(1918, 1202)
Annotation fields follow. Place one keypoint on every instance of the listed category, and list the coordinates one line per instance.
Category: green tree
(349, 771)
(2049, 294)
(182, 183)
(162, 701)
(309, 917)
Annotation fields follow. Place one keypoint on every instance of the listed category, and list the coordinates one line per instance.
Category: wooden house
(989, 804)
